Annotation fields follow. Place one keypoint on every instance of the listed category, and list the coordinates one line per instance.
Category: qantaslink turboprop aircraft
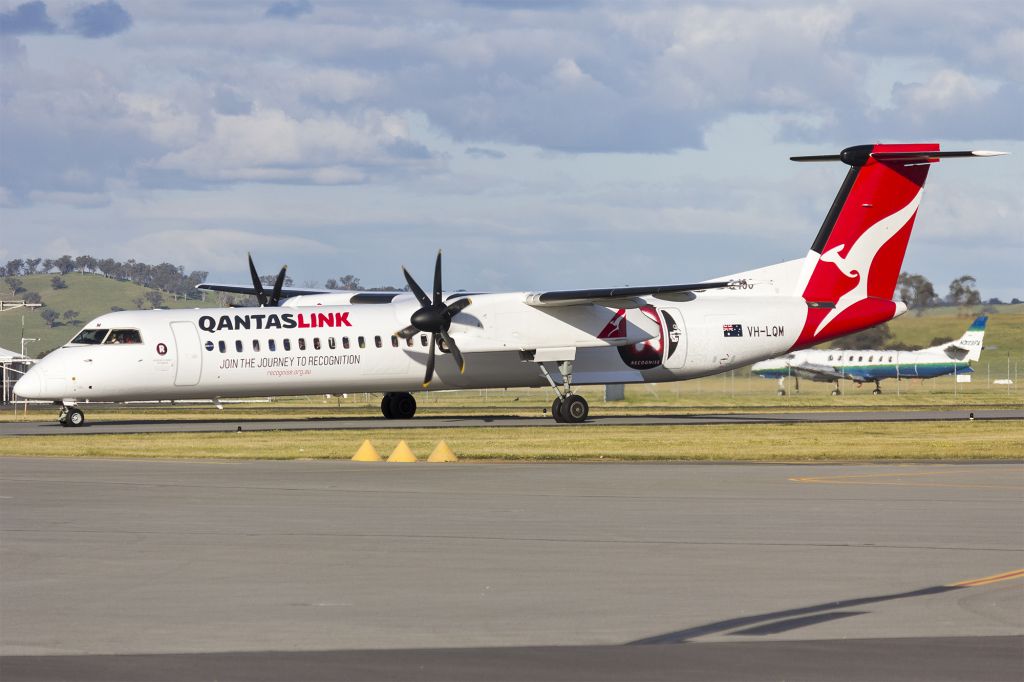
(301, 342)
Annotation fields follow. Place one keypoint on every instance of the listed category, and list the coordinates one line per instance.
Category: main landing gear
(70, 416)
(836, 391)
(878, 389)
(567, 408)
(398, 406)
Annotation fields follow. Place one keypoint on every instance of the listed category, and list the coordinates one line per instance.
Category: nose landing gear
(70, 416)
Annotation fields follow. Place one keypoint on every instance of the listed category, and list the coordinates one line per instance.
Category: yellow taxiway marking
(988, 580)
(863, 479)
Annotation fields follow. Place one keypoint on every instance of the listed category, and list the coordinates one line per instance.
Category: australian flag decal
(732, 330)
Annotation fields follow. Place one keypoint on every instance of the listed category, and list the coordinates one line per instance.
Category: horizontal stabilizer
(617, 294)
(926, 156)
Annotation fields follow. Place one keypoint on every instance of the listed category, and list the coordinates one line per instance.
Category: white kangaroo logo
(862, 254)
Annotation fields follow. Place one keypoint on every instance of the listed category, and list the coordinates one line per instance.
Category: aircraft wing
(622, 297)
(816, 372)
(288, 292)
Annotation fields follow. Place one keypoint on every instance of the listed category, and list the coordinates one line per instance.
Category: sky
(541, 145)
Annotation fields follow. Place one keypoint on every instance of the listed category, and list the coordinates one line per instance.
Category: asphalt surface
(198, 426)
(115, 569)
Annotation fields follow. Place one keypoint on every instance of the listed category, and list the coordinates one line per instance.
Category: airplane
(862, 366)
(303, 342)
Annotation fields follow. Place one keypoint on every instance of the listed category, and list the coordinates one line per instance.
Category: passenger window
(287, 344)
(124, 336)
(871, 358)
(377, 342)
(302, 344)
(362, 342)
(331, 343)
(316, 343)
(851, 358)
(423, 340)
(271, 345)
(830, 357)
(890, 358)
(344, 342)
(394, 341)
(409, 341)
(860, 358)
(256, 345)
(90, 336)
(238, 345)
(223, 346)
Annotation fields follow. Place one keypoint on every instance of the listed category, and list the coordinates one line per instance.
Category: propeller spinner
(434, 318)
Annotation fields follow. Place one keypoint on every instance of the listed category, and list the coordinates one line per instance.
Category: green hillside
(90, 295)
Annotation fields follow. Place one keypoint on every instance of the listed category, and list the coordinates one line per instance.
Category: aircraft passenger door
(675, 339)
(189, 350)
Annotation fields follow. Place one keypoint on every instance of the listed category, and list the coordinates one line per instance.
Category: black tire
(385, 406)
(75, 417)
(781, 392)
(403, 406)
(556, 410)
(877, 391)
(836, 391)
(574, 409)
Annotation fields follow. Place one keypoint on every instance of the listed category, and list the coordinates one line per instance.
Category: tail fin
(850, 273)
(968, 347)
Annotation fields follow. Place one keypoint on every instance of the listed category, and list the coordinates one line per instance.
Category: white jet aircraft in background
(303, 342)
(860, 366)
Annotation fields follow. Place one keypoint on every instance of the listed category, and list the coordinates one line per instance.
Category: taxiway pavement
(171, 425)
(115, 569)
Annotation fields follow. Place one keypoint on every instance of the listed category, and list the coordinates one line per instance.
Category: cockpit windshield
(90, 336)
(124, 336)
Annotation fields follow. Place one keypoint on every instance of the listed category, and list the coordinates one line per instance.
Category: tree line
(165, 277)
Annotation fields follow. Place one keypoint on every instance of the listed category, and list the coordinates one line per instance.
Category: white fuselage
(301, 349)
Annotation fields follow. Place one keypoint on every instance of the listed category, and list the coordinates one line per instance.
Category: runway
(117, 569)
(172, 425)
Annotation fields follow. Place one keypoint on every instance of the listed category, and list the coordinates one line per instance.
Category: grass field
(961, 440)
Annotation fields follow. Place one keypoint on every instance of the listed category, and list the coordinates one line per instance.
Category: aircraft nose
(29, 386)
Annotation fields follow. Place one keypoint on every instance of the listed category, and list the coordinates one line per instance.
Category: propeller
(434, 318)
(274, 299)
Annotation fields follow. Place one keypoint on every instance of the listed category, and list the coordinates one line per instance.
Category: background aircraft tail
(968, 346)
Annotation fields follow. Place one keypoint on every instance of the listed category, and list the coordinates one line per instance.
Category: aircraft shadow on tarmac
(776, 622)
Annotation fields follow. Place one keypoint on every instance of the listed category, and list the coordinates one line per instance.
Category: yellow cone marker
(402, 453)
(366, 453)
(442, 453)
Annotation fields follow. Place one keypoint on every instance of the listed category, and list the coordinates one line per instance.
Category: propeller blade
(430, 361)
(448, 341)
(437, 279)
(416, 290)
(275, 296)
(458, 306)
(261, 295)
(408, 332)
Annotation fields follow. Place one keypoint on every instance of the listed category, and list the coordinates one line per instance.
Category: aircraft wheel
(877, 391)
(781, 391)
(836, 391)
(574, 409)
(556, 411)
(403, 406)
(385, 406)
(75, 417)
